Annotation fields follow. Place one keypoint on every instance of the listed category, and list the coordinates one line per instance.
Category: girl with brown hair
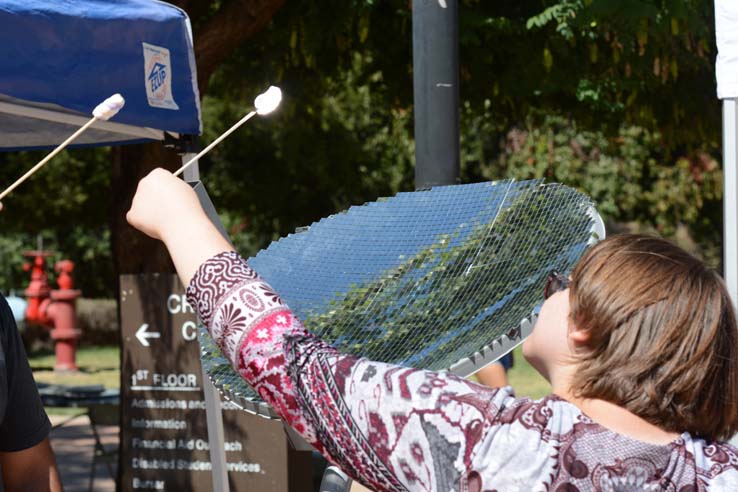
(639, 345)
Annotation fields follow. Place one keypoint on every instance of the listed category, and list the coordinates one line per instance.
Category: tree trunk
(134, 252)
(237, 21)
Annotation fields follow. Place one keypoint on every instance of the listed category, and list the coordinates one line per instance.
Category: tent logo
(158, 77)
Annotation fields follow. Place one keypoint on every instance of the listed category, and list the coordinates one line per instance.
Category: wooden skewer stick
(215, 142)
(47, 158)
(264, 103)
(104, 111)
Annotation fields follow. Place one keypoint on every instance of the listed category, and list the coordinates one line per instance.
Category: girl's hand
(164, 206)
(167, 208)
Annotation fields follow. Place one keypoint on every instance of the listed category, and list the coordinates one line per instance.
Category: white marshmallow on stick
(268, 101)
(109, 107)
(264, 103)
(102, 112)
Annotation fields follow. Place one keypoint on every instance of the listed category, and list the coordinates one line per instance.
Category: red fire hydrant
(54, 308)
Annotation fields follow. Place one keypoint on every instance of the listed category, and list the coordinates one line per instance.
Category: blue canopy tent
(59, 59)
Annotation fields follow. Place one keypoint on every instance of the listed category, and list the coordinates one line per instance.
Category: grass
(526, 380)
(97, 365)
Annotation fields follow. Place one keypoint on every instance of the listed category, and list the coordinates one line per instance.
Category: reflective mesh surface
(437, 279)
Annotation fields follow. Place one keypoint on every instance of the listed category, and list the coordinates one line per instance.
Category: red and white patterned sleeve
(389, 427)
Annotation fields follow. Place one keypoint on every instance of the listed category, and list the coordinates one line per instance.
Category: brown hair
(662, 331)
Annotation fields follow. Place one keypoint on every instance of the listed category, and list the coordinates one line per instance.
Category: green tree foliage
(647, 62)
(602, 62)
(629, 175)
(64, 207)
(312, 158)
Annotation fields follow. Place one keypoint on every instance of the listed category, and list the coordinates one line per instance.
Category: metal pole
(213, 408)
(730, 200)
(730, 197)
(436, 91)
(192, 172)
(216, 436)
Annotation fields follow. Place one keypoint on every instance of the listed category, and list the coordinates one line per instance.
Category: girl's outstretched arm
(389, 427)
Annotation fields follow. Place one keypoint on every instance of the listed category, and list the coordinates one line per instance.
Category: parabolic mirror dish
(442, 279)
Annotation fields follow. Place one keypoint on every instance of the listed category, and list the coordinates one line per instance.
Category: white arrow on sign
(144, 335)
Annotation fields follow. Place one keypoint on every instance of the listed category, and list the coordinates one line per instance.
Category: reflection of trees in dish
(464, 290)
(446, 301)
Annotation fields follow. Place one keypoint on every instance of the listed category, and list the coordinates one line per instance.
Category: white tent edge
(726, 71)
(50, 115)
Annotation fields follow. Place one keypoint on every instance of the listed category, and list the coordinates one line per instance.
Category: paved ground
(73, 445)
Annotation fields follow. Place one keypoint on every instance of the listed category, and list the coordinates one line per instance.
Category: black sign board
(164, 441)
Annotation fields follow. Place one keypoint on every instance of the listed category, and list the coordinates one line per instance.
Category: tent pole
(730, 197)
(192, 172)
(214, 414)
(216, 437)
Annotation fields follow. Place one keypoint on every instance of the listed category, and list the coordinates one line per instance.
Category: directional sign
(144, 335)
(164, 440)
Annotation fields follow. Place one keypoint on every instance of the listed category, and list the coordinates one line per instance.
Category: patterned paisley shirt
(401, 429)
